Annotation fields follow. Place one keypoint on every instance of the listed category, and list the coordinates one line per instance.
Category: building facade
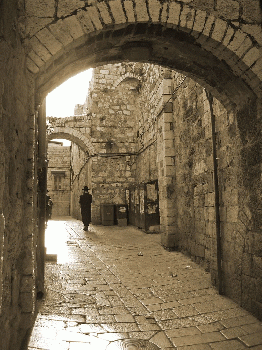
(59, 178)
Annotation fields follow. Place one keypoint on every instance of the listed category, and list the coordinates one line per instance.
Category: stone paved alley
(117, 288)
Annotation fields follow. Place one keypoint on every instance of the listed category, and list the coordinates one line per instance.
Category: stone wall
(114, 114)
(18, 215)
(59, 178)
(192, 192)
(150, 104)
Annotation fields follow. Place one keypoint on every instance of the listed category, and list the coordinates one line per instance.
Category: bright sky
(61, 101)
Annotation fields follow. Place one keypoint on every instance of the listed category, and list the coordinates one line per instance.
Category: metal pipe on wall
(216, 186)
(42, 187)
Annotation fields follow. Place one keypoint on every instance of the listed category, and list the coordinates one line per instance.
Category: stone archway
(216, 44)
(205, 41)
(82, 148)
(71, 134)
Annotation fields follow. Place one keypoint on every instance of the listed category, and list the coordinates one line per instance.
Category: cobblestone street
(117, 288)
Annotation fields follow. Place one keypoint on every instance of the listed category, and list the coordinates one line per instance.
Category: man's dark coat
(85, 203)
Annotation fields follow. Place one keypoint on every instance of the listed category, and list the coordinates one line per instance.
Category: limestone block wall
(114, 112)
(59, 178)
(150, 102)
(192, 192)
(18, 211)
(239, 161)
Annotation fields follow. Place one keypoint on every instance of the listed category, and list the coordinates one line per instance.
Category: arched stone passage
(66, 202)
(203, 41)
(218, 43)
(59, 132)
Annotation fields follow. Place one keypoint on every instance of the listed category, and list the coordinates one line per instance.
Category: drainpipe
(217, 205)
(2, 245)
(42, 180)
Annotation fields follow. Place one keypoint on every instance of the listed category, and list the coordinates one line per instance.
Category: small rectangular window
(58, 183)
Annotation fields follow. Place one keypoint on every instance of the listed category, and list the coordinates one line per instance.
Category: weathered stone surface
(94, 16)
(219, 30)
(141, 11)
(118, 13)
(74, 27)
(128, 4)
(154, 10)
(50, 42)
(66, 7)
(174, 13)
(187, 18)
(61, 32)
(42, 8)
(104, 12)
(251, 56)
(84, 19)
(16, 144)
(40, 49)
(154, 306)
(228, 9)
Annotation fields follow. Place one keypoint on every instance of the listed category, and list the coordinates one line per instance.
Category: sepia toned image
(130, 174)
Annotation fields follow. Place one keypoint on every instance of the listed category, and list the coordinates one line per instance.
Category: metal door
(152, 217)
(137, 205)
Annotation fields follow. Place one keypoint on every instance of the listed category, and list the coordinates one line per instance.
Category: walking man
(85, 204)
(48, 207)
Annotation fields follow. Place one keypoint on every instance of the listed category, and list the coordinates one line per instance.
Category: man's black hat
(85, 188)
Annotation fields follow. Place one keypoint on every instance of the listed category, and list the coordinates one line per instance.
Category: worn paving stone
(124, 318)
(211, 327)
(105, 291)
(164, 315)
(182, 332)
(228, 345)
(194, 347)
(235, 332)
(252, 339)
(198, 339)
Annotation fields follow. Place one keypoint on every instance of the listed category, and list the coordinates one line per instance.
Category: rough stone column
(166, 169)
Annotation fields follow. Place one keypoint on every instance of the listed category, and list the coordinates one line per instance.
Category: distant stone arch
(61, 132)
(127, 76)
